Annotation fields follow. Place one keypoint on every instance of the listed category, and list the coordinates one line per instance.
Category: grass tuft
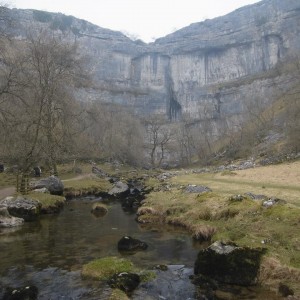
(104, 268)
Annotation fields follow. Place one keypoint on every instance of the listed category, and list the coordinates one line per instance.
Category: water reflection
(75, 236)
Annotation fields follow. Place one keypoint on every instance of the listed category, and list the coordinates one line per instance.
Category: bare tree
(39, 99)
(112, 132)
(159, 137)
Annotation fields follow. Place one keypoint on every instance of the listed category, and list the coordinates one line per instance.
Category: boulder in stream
(22, 207)
(129, 244)
(99, 210)
(229, 263)
(120, 189)
(124, 281)
(8, 221)
(24, 293)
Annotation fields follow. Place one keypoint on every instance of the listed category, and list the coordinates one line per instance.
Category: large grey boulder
(119, 189)
(53, 184)
(7, 221)
(229, 263)
(22, 207)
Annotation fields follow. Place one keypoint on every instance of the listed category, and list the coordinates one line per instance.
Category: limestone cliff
(206, 70)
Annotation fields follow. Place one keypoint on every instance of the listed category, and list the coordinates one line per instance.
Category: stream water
(49, 254)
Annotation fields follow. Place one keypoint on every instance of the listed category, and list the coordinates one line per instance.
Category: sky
(139, 19)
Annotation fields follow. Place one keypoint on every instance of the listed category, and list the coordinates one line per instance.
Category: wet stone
(23, 293)
(129, 244)
(124, 281)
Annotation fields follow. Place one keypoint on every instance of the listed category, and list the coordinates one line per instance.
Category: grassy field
(281, 181)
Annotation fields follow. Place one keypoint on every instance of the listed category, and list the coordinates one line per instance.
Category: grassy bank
(50, 203)
(217, 215)
(88, 185)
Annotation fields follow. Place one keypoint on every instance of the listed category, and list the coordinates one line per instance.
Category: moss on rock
(104, 268)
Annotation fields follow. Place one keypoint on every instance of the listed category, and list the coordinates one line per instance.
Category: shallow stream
(49, 254)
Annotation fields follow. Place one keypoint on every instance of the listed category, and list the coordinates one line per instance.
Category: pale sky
(144, 19)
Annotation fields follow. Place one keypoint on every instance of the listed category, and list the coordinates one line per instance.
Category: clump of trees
(40, 118)
(37, 107)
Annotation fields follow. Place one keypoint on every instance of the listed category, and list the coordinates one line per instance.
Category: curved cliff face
(191, 71)
(205, 56)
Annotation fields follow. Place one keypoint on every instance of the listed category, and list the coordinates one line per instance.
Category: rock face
(228, 263)
(53, 184)
(208, 68)
(22, 207)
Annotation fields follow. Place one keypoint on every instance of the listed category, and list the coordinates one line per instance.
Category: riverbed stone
(120, 189)
(229, 263)
(124, 281)
(7, 221)
(99, 210)
(22, 207)
(172, 284)
(129, 244)
(52, 183)
(23, 293)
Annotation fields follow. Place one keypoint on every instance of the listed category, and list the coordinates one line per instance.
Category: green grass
(47, 201)
(237, 184)
(92, 185)
(104, 268)
(244, 222)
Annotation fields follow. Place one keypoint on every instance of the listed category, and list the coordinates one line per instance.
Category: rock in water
(228, 263)
(7, 221)
(22, 207)
(126, 282)
(127, 243)
(120, 189)
(24, 293)
(99, 210)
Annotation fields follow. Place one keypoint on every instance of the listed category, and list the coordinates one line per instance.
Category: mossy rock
(105, 268)
(124, 281)
(49, 203)
(230, 264)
